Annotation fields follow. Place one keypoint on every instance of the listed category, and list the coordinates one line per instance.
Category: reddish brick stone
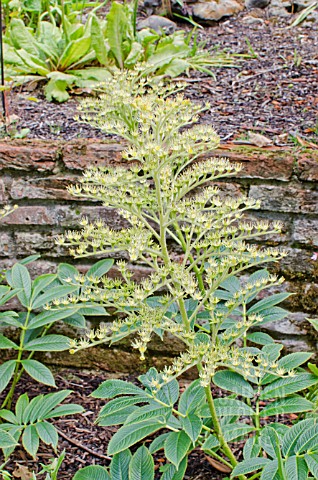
(308, 166)
(54, 187)
(28, 155)
(267, 163)
(89, 153)
(283, 199)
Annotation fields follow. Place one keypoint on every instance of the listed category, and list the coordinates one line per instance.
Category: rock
(215, 10)
(256, 4)
(159, 24)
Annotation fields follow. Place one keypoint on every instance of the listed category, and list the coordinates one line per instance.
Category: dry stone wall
(35, 174)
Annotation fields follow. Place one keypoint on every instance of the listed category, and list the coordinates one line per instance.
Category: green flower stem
(217, 457)
(18, 368)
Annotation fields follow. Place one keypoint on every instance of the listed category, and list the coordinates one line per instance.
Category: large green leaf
(50, 316)
(119, 466)
(169, 393)
(38, 371)
(41, 283)
(112, 388)
(50, 401)
(268, 302)
(47, 433)
(6, 440)
(288, 385)
(176, 447)
(296, 468)
(93, 472)
(192, 398)
(270, 442)
(30, 440)
(294, 404)
(21, 37)
(6, 372)
(192, 426)
(21, 279)
(57, 85)
(158, 443)
(63, 410)
(52, 294)
(49, 343)
(312, 462)
(226, 407)
(164, 55)
(233, 382)
(142, 465)
(118, 404)
(128, 435)
(250, 465)
(172, 473)
(117, 31)
(308, 440)
(74, 51)
(291, 437)
(233, 431)
(6, 343)
(149, 411)
(98, 42)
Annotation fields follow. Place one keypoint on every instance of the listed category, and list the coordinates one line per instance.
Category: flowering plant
(197, 244)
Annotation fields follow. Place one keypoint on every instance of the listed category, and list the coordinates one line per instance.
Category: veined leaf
(112, 388)
(147, 412)
(49, 343)
(93, 472)
(6, 372)
(269, 440)
(63, 410)
(158, 443)
(39, 372)
(312, 463)
(172, 473)
(291, 437)
(233, 431)
(294, 404)
(51, 316)
(234, 382)
(119, 466)
(116, 31)
(52, 294)
(30, 440)
(307, 440)
(210, 443)
(21, 279)
(229, 406)
(47, 433)
(249, 466)
(270, 471)
(288, 385)
(74, 51)
(21, 37)
(176, 447)
(268, 302)
(169, 393)
(296, 468)
(50, 401)
(192, 425)
(141, 466)
(128, 435)
(6, 440)
(192, 398)
(98, 44)
(6, 343)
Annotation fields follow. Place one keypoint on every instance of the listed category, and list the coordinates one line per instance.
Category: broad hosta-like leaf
(176, 447)
(39, 372)
(116, 31)
(141, 466)
(98, 42)
(128, 435)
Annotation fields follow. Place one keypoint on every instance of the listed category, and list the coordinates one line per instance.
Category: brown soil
(84, 441)
(273, 94)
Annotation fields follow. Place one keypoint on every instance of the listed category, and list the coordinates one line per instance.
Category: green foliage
(167, 195)
(44, 301)
(70, 54)
(29, 422)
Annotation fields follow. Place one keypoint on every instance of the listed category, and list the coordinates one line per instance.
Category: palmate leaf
(141, 466)
(6, 440)
(63, 410)
(47, 433)
(50, 401)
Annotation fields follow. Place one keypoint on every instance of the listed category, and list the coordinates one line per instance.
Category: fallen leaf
(22, 472)
(218, 465)
(259, 140)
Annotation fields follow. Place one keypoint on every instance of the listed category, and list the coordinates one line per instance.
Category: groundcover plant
(200, 250)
